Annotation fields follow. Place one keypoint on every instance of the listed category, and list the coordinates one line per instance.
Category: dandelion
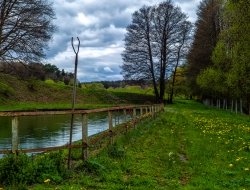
(231, 165)
(46, 180)
(246, 169)
(238, 159)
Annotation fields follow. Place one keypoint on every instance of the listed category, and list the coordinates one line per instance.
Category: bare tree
(138, 56)
(180, 52)
(149, 44)
(25, 29)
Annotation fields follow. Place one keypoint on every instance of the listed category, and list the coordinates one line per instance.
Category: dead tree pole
(76, 51)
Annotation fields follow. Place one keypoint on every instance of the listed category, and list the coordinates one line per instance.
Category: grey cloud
(100, 24)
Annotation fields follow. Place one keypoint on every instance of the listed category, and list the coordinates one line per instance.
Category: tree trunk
(163, 66)
(157, 97)
(175, 69)
(248, 103)
(232, 105)
(241, 110)
(236, 106)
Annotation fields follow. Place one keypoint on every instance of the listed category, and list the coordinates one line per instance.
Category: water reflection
(50, 130)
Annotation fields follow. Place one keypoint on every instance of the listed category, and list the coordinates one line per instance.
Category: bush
(49, 81)
(6, 90)
(13, 169)
(23, 169)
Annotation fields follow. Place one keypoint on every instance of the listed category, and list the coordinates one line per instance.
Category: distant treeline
(36, 71)
(44, 72)
(118, 84)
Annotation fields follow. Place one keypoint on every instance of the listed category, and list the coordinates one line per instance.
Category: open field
(189, 146)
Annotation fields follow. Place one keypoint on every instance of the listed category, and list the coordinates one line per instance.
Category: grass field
(189, 146)
(18, 95)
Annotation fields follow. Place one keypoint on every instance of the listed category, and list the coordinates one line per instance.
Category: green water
(49, 131)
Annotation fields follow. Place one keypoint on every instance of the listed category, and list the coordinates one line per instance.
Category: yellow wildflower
(238, 159)
(246, 169)
(231, 165)
(47, 181)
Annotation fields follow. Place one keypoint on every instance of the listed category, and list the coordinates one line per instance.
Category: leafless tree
(150, 42)
(25, 28)
(180, 52)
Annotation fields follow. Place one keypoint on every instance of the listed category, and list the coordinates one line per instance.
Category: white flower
(170, 154)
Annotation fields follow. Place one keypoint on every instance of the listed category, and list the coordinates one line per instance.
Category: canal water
(52, 130)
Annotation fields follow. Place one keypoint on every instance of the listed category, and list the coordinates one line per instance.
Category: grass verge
(189, 146)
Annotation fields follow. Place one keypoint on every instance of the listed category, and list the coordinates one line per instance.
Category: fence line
(86, 140)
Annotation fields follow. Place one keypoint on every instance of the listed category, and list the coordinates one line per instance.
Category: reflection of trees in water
(5, 127)
(40, 126)
(45, 130)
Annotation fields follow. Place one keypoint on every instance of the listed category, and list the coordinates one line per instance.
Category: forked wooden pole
(76, 51)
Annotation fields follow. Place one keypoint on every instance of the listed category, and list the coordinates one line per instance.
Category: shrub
(6, 90)
(23, 169)
(49, 81)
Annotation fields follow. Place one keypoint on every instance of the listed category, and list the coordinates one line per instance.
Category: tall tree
(149, 44)
(139, 52)
(232, 53)
(207, 28)
(180, 53)
(25, 29)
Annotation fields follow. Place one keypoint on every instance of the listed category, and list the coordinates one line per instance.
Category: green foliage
(205, 38)
(50, 81)
(6, 89)
(13, 169)
(115, 151)
(23, 169)
(212, 81)
(91, 167)
(94, 86)
(133, 89)
(189, 146)
(229, 75)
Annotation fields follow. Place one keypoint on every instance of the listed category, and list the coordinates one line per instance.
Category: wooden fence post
(85, 136)
(118, 117)
(150, 110)
(134, 112)
(153, 110)
(14, 123)
(125, 115)
(114, 116)
(134, 116)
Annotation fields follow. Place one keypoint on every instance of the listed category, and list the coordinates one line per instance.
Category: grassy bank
(17, 94)
(189, 146)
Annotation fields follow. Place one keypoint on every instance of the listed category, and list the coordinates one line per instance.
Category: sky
(101, 27)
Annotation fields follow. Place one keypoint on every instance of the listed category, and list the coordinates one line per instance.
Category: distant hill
(16, 93)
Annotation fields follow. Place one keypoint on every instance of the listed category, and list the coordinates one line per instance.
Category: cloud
(108, 70)
(101, 26)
